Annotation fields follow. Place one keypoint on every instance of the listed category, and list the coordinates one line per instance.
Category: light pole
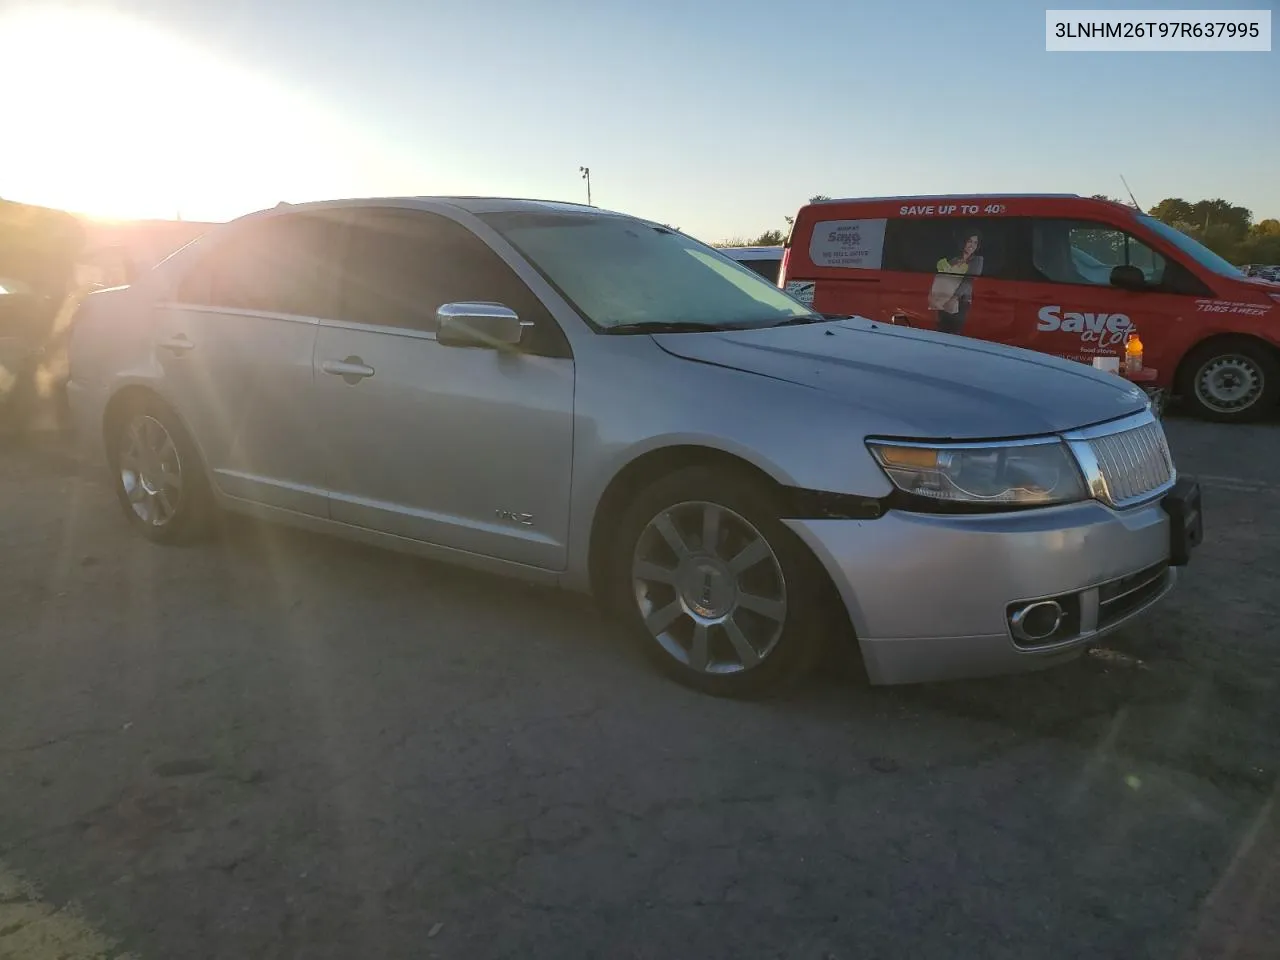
(586, 175)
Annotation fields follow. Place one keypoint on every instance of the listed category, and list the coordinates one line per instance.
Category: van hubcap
(150, 470)
(1229, 383)
(709, 587)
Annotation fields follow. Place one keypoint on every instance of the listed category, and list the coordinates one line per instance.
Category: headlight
(1019, 473)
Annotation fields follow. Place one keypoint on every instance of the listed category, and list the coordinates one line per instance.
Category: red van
(1058, 273)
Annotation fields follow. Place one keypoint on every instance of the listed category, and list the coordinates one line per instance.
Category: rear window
(847, 244)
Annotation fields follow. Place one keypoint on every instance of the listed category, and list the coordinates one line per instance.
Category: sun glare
(113, 118)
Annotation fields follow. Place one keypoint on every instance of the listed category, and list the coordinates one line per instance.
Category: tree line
(1225, 228)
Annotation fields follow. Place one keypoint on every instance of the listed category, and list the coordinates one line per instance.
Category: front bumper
(929, 595)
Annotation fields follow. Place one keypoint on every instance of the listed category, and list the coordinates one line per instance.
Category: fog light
(1037, 621)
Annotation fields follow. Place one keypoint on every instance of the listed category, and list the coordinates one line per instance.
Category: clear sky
(715, 116)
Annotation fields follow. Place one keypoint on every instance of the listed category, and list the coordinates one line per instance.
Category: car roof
(955, 196)
(470, 204)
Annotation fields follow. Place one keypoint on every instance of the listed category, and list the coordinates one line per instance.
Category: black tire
(807, 594)
(191, 503)
(1229, 353)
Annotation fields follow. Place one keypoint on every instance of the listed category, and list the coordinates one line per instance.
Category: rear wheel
(159, 478)
(1232, 379)
(720, 594)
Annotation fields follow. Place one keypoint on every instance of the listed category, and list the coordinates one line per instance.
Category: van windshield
(627, 276)
(1191, 247)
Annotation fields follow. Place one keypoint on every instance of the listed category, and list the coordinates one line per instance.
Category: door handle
(177, 344)
(352, 369)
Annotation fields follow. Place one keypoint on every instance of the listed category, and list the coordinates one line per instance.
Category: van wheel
(720, 595)
(160, 480)
(1234, 379)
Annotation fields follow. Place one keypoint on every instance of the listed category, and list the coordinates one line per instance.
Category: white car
(766, 261)
(576, 397)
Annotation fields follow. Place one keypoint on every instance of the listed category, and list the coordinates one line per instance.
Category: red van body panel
(1031, 271)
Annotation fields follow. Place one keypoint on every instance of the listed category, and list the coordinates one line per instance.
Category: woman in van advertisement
(951, 295)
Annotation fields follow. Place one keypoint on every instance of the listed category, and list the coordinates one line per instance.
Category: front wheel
(720, 594)
(1233, 379)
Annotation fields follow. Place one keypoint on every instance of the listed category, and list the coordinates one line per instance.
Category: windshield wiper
(807, 318)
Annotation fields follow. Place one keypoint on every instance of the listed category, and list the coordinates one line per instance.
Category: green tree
(1173, 211)
(1258, 248)
(1223, 227)
(770, 238)
(1232, 220)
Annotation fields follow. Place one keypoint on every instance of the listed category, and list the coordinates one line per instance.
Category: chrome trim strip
(1129, 422)
(1094, 481)
(296, 318)
(1081, 445)
(964, 444)
(379, 328)
(235, 312)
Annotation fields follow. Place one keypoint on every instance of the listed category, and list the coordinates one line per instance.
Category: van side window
(984, 244)
(1085, 252)
(284, 264)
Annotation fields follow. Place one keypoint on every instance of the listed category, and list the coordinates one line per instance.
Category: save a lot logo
(1099, 330)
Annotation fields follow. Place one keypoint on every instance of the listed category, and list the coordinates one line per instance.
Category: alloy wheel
(709, 587)
(150, 470)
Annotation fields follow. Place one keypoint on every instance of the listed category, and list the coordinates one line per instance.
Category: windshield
(1193, 248)
(623, 273)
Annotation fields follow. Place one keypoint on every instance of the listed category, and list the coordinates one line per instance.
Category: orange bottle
(1132, 352)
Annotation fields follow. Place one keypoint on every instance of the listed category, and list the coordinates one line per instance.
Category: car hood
(919, 383)
(1260, 284)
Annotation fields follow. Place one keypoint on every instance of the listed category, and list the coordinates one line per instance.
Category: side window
(1085, 252)
(285, 264)
(974, 246)
(403, 265)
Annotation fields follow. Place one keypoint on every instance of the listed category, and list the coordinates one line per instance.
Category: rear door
(467, 448)
(833, 259)
(235, 343)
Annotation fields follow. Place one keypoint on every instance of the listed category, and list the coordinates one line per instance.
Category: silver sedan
(582, 398)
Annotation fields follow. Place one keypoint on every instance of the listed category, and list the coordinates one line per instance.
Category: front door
(236, 341)
(1070, 309)
(467, 448)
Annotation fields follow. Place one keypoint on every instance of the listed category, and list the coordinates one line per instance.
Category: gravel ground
(281, 745)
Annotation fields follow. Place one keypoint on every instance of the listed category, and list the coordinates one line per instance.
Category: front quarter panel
(633, 398)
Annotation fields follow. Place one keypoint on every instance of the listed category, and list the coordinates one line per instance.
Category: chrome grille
(1127, 462)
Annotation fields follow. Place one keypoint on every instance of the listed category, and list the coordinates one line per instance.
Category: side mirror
(1128, 277)
(479, 325)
